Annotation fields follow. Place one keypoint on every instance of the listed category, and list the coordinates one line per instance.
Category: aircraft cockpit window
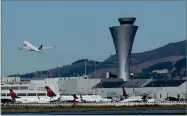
(25, 43)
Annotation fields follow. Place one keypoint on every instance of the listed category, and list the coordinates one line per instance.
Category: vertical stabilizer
(13, 94)
(40, 48)
(50, 92)
(75, 97)
(124, 92)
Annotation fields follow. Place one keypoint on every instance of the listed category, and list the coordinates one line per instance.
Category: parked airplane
(70, 98)
(93, 98)
(17, 99)
(52, 97)
(28, 46)
(83, 98)
(136, 98)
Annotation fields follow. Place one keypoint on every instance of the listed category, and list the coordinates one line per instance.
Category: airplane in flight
(28, 46)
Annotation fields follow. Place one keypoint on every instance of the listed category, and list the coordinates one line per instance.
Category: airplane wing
(45, 48)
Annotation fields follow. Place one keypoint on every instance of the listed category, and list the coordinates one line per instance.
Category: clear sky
(81, 30)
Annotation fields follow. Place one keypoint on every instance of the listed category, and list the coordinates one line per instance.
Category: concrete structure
(10, 79)
(123, 37)
(105, 87)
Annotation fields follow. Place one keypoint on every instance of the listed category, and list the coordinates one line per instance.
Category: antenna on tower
(85, 68)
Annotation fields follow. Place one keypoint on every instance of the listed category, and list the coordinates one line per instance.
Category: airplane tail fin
(40, 48)
(13, 94)
(50, 92)
(81, 96)
(124, 92)
(75, 97)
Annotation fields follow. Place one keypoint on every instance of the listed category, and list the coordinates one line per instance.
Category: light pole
(133, 74)
(95, 69)
(85, 68)
(167, 94)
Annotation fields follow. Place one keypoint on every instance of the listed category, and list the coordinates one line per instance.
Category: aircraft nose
(24, 42)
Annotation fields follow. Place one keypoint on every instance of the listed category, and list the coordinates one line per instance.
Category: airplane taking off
(28, 46)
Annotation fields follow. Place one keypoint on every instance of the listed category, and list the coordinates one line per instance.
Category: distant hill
(171, 52)
(172, 49)
(177, 69)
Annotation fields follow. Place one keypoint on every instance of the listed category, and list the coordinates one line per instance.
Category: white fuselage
(151, 100)
(65, 98)
(94, 98)
(37, 99)
(30, 47)
(137, 99)
(86, 98)
(133, 99)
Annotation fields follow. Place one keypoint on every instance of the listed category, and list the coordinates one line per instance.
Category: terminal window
(3, 94)
(21, 94)
(14, 87)
(41, 94)
(23, 87)
(5, 88)
(31, 94)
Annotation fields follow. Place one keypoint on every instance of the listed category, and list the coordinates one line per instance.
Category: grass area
(78, 107)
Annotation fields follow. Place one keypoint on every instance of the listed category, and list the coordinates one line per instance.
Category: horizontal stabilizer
(19, 48)
(44, 48)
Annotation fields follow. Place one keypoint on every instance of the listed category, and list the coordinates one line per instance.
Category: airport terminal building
(106, 87)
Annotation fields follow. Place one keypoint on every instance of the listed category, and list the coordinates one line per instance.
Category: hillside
(172, 70)
(171, 52)
(172, 49)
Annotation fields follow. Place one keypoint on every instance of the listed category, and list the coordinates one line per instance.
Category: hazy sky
(81, 30)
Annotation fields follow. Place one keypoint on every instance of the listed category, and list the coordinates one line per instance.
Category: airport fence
(97, 104)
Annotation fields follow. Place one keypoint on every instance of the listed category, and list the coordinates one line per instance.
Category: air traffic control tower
(123, 37)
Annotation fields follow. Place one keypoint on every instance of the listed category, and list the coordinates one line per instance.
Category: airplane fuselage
(84, 98)
(37, 99)
(133, 99)
(30, 47)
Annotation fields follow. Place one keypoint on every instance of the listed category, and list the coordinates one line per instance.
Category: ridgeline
(171, 56)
